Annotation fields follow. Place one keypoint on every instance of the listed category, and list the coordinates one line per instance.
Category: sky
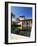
(22, 11)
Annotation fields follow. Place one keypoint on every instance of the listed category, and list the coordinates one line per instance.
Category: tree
(12, 15)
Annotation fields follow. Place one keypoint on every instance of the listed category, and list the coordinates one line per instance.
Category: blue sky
(22, 11)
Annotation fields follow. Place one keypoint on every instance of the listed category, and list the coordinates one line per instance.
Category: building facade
(24, 22)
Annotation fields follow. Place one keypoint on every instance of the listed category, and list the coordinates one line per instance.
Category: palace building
(24, 22)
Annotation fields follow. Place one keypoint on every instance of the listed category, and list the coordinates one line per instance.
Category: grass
(26, 28)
